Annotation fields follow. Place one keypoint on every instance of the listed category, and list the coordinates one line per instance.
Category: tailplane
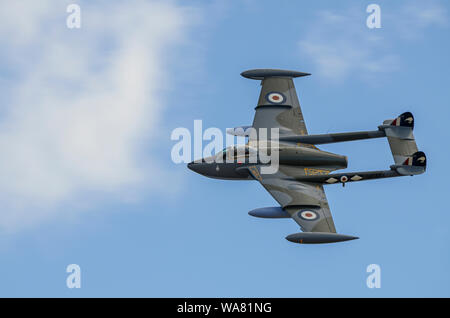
(399, 132)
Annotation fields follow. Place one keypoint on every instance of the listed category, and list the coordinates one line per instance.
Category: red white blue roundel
(275, 98)
(308, 215)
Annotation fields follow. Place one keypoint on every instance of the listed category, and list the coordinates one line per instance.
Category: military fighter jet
(304, 169)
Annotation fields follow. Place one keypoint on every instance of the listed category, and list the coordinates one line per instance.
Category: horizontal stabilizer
(399, 132)
(318, 237)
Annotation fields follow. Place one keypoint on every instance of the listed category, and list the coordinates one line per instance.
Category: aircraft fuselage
(291, 155)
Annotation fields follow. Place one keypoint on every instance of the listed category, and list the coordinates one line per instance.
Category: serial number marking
(315, 172)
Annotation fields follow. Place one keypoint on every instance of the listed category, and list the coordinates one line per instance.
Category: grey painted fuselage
(289, 155)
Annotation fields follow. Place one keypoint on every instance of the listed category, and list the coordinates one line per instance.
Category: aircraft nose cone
(195, 166)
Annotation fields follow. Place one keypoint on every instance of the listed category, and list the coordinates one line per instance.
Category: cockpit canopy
(236, 151)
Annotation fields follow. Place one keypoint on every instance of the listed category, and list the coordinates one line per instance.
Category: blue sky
(85, 123)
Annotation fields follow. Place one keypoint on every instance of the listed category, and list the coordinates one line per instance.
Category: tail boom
(416, 164)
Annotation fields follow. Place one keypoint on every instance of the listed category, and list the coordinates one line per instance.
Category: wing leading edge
(307, 205)
(278, 105)
(305, 202)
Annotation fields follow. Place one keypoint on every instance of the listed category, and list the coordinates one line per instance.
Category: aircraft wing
(278, 105)
(305, 202)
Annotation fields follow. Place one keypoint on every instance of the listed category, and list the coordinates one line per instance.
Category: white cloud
(414, 18)
(340, 45)
(83, 101)
(433, 14)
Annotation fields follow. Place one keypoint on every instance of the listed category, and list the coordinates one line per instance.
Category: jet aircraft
(303, 169)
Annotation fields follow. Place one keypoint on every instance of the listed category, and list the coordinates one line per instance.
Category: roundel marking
(344, 179)
(275, 98)
(308, 215)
